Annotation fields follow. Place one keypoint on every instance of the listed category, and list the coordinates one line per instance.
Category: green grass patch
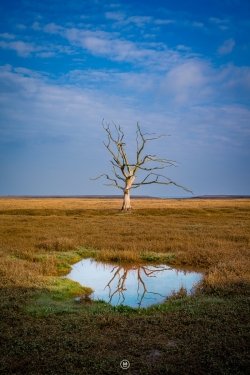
(65, 260)
(57, 297)
(157, 257)
(86, 252)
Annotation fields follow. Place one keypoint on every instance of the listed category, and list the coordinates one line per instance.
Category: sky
(180, 68)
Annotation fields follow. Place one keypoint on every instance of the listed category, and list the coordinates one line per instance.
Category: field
(44, 331)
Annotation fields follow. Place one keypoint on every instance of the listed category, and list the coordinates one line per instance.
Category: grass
(45, 331)
(57, 298)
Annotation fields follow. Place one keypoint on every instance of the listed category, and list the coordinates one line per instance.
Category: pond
(135, 286)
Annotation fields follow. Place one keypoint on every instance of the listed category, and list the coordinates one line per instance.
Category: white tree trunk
(126, 198)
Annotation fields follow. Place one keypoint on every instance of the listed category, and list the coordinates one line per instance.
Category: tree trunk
(126, 198)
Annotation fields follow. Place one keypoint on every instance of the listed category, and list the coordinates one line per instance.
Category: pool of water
(135, 286)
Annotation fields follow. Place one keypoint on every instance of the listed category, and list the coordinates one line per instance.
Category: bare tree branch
(154, 158)
(117, 175)
(116, 146)
(111, 179)
(158, 182)
(120, 148)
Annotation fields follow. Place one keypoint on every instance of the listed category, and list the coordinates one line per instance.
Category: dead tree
(127, 171)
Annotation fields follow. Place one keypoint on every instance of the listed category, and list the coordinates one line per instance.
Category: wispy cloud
(36, 26)
(140, 21)
(7, 36)
(117, 16)
(197, 82)
(25, 49)
(121, 19)
(226, 47)
(223, 24)
(60, 108)
(21, 26)
(218, 20)
(164, 21)
(45, 107)
(113, 47)
(45, 54)
(181, 47)
(198, 24)
(52, 28)
(188, 83)
(188, 98)
(21, 48)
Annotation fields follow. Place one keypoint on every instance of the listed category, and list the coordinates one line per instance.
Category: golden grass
(213, 234)
(107, 203)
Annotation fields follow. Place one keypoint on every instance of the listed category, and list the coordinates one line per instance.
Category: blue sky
(180, 68)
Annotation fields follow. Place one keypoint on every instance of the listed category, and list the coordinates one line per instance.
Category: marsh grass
(211, 234)
(42, 326)
(129, 256)
(56, 244)
(57, 297)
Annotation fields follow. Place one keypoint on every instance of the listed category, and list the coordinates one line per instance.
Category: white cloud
(139, 20)
(49, 109)
(52, 28)
(223, 24)
(235, 83)
(114, 5)
(117, 16)
(122, 20)
(64, 49)
(164, 22)
(109, 45)
(21, 26)
(197, 82)
(36, 26)
(198, 24)
(181, 47)
(218, 20)
(187, 83)
(7, 36)
(45, 54)
(226, 47)
(22, 49)
(26, 72)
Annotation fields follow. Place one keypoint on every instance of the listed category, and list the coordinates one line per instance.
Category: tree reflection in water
(120, 275)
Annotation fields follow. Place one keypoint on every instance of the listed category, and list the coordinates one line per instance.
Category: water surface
(135, 286)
